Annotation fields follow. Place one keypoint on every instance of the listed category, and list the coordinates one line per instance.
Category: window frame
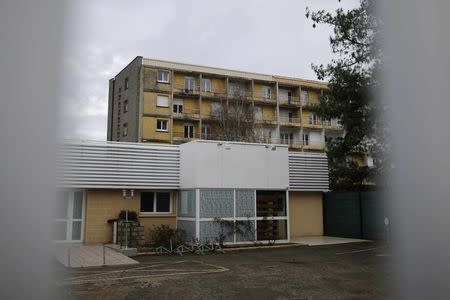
(203, 87)
(125, 129)
(125, 106)
(268, 95)
(126, 84)
(205, 131)
(162, 72)
(162, 122)
(155, 204)
(304, 96)
(162, 96)
(178, 103)
(191, 134)
(187, 87)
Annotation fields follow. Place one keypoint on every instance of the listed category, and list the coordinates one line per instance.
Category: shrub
(163, 234)
(132, 215)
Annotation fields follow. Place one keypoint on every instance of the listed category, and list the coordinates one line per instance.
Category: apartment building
(160, 101)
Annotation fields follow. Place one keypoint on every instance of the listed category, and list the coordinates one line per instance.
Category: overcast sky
(102, 37)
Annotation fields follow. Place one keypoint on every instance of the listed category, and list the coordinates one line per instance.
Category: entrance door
(69, 222)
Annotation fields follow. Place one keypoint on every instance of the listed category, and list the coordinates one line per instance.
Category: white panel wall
(206, 164)
(316, 138)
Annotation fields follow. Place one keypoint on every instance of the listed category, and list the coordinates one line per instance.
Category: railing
(295, 143)
(293, 100)
(187, 114)
(185, 90)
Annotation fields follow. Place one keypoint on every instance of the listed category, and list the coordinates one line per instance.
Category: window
(216, 107)
(236, 89)
(287, 138)
(313, 120)
(305, 139)
(189, 84)
(162, 101)
(178, 106)
(125, 129)
(189, 131)
(289, 94)
(267, 92)
(258, 113)
(125, 106)
(120, 90)
(206, 85)
(290, 116)
(304, 97)
(161, 125)
(126, 84)
(163, 76)
(155, 202)
(206, 132)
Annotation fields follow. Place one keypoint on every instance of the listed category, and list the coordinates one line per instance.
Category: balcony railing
(186, 90)
(187, 114)
(290, 101)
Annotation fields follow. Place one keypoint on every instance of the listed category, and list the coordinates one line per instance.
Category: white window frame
(308, 141)
(258, 113)
(162, 79)
(158, 103)
(304, 96)
(189, 131)
(206, 85)
(125, 129)
(287, 138)
(267, 92)
(189, 83)
(125, 106)
(206, 131)
(313, 119)
(69, 217)
(154, 212)
(178, 103)
(162, 122)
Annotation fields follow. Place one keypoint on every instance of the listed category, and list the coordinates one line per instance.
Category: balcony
(187, 114)
(312, 123)
(290, 122)
(332, 124)
(183, 90)
(266, 120)
(182, 136)
(298, 144)
(290, 101)
(265, 98)
(306, 104)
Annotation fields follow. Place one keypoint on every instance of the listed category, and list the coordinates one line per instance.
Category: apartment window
(163, 76)
(120, 90)
(216, 107)
(313, 119)
(267, 92)
(206, 132)
(304, 97)
(305, 139)
(206, 85)
(290, 114)
(189, 84)
(126, 84)
(289, 94)
(189, 131)
(287, 138)
(258, 113)
(161, 125)
(162, 101)
(178, 106)
(125, 129)
(236, 88)
(125, 106)
(155, 202)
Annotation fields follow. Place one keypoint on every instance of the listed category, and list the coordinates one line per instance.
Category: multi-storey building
(160, 101)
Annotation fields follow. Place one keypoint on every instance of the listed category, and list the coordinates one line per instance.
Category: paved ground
(324, 240)
(344, 271)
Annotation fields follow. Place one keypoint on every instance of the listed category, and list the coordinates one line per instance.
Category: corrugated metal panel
(308, 172)
(88, 164)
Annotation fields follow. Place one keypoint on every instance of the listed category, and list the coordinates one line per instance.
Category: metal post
(104, 259)
(68, 257)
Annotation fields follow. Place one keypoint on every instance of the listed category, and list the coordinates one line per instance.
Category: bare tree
(234, 119)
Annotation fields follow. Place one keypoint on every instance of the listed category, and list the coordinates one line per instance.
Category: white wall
(205, 164)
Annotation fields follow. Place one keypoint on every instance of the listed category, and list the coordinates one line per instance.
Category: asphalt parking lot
(345, 271)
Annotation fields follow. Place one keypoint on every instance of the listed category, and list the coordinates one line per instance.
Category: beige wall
(305, 214)
(149, 129)
(105, 204)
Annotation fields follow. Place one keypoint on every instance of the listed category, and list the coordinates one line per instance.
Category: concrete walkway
(78, 256)
(324, 240)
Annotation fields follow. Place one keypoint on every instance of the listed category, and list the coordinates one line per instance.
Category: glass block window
(216, 203)
(188, 227)
(186, 204)
(210, 230)
(248, 232)
(245, 203)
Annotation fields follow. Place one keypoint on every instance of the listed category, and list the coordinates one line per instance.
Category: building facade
(189, 186)
(160, 101)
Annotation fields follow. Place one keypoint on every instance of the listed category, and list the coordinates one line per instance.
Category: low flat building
(191, 186)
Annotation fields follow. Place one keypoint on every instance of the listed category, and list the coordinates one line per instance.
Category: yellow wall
(219, 85)
(179, 80)
(103, 204)
(313, 97)
(191, 105)
(149, 129)
(258, 90)
(150, 104)
(268, 113)
(178, 128)
(305, 214)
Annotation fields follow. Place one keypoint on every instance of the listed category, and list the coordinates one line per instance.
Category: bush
(132, 215)
(163, 234)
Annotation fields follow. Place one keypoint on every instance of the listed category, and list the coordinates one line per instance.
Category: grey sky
(272, 37)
